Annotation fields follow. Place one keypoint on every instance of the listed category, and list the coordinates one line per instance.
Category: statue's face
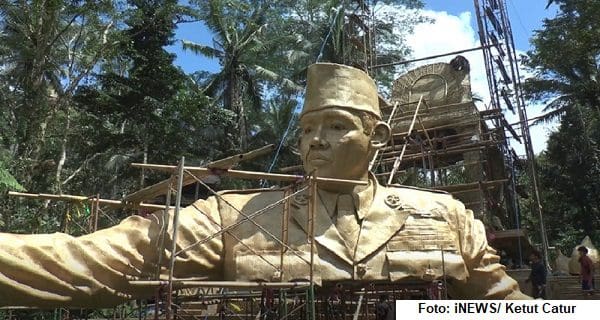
(334, 143)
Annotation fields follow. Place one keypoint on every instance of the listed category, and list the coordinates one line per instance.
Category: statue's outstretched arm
(487, 277)
(50, 270)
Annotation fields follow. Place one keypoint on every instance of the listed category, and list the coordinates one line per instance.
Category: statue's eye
(306, 130)
(338, 126)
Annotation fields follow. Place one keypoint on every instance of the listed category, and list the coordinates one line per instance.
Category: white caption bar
(496, 310)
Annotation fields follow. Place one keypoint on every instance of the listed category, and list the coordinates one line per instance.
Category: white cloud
(449, 33)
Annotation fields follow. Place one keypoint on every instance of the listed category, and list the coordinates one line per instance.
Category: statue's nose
(318, 141)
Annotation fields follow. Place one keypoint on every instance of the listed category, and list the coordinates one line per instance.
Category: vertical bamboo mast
(311, 233)
(161, 245)
(97, 211)
(164, 229)
(495, 14)
(284, 231)
(174, 240)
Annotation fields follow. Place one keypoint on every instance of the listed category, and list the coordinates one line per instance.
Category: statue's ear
(381, 135)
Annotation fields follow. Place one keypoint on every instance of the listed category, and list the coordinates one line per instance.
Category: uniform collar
(379, 208)
(363, 198)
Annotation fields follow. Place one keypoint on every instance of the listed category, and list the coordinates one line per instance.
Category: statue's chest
(427, 246)
(424, 231)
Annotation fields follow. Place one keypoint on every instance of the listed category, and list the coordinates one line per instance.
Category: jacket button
(393, 201)
(361, 270)
(300, 200)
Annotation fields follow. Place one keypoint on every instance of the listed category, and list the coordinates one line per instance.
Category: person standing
(384, 309)
(587, 271)
(537, 277)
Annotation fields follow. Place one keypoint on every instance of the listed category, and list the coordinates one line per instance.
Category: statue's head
(340, 122)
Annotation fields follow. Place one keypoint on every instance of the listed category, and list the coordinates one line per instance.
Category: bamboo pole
(459, 147)
(251, 175)
(221, 284)
(159, 188)
(399, 159)
(430, 57)
(374, 159)
(174, 240)
(164, 229)
(460, 137)
(438, 109)
(67, 197)
(229, 162)
(312, 212)
(451, 125)
(284, 231)
(438, 153)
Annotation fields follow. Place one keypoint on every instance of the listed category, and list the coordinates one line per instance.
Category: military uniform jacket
(404, 234)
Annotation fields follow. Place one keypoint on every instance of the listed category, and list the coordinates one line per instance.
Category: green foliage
(87, 88)
(569, 170)
(565, 60)
(565, 63)
(8, 182)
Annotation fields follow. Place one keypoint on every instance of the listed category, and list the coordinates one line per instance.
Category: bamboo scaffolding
(441, 152)
(285, 218)
(251, 175)
(160, 188)
(389, 121)
(483, 136)
(429, 155)
(174, 241)
(444, 153)
(172, 284)
(406, 114)
(445, 126)
(399, 158)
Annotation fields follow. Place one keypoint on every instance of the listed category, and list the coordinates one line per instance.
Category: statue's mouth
(317, 162)
(316, 158)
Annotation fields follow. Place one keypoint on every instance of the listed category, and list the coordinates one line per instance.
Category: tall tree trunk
(63, 154)
(238, 106)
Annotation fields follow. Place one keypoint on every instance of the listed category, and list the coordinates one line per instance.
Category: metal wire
(247, 217)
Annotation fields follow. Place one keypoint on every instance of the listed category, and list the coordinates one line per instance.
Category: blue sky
(455, 29)
(526, 15)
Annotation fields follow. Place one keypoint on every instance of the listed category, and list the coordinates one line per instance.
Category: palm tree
(237, 42)
(565, 61)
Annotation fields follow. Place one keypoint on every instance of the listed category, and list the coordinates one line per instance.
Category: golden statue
(363, 233)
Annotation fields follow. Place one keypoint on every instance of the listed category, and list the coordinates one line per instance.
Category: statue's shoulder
(258, 194)
(416, 189)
